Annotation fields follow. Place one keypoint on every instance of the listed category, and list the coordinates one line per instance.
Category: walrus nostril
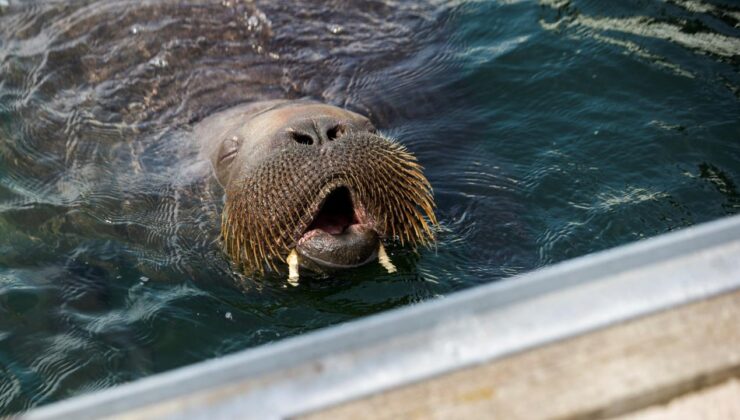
(301, 138)
(335, 132)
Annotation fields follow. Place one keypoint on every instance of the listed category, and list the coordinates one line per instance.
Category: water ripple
(548, 130)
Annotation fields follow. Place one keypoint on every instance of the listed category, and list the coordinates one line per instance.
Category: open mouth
(336, 214)
(339, 236)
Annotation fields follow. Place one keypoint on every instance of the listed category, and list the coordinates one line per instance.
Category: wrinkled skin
(240, 139)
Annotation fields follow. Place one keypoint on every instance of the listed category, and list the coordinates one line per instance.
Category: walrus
(313, 185)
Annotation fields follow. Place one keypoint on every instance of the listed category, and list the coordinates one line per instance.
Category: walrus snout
(317, 131)
(315, 185)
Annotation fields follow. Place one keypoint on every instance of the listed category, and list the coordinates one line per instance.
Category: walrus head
(316, 179)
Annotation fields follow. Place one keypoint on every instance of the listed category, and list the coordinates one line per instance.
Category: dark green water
(548, 129)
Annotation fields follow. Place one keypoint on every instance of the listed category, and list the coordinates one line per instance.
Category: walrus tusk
(384, 260)
(293, 268)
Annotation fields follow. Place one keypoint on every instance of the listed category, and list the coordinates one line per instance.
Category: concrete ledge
(613, 371)
(397, 349)
(719, 402)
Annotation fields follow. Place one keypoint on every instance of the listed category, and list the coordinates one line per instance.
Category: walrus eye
(229, 149)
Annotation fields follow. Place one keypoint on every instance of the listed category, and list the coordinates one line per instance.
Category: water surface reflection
(549, 130)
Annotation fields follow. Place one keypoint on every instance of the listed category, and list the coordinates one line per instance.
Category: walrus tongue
(331, 222)
(337, 237)
(337, 213)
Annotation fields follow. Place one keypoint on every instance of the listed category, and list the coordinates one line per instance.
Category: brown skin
(240, 138)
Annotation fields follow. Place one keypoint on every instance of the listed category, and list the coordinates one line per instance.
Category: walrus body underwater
(120, 112)
(313, 185)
